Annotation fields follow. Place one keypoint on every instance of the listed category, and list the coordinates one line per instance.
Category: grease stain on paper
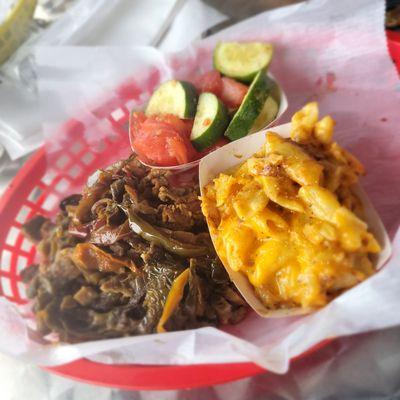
(329, 80)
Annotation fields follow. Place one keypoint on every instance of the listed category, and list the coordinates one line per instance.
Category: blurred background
(365, 366)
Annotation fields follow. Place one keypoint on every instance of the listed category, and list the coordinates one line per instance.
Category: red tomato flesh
(228, 90)
(209, 82)
(162, 140)
(232, 92)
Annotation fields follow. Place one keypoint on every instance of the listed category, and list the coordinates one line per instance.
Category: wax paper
(333, 52)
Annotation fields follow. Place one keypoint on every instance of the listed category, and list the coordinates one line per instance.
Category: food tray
(38, 187)
(44, 180)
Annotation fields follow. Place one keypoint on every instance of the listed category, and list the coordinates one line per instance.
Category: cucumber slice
(251, 107)
(173, 97)
(242, 61)
(266, 116)
(210, 121)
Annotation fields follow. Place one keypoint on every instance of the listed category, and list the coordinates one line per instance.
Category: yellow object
(174, 297)
(298, 165)
(285, 219)
(15, 27)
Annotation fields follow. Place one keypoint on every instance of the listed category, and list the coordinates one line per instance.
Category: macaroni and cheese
(288, 219)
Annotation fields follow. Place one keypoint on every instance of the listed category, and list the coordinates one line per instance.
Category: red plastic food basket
(393, 39)
(48, 177)
(43, 181)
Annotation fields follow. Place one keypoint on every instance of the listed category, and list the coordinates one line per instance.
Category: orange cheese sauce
(288, 219)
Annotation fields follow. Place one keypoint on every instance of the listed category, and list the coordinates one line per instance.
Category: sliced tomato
(209, 82)
(172, 120)
(232, 92)
(161, 140)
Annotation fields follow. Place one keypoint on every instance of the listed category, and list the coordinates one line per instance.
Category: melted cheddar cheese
(288, 219)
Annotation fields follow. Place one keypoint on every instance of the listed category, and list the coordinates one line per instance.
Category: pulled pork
(109, 260)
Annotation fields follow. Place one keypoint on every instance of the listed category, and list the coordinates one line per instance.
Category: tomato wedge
(209, 82)
(232, 92)
(228, 90)
(161, 140)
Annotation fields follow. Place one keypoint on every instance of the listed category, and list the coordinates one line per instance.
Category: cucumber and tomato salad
(183, 121)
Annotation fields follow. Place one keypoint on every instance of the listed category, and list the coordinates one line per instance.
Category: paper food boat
(277, 92)
(236, 153)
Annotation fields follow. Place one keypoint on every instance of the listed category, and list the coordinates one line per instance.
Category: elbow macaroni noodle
(287, 217)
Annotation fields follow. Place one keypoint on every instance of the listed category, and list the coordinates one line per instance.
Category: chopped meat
(72, 200)
(86, 295)
(33, 228)
(29, 273)
(101, 277)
